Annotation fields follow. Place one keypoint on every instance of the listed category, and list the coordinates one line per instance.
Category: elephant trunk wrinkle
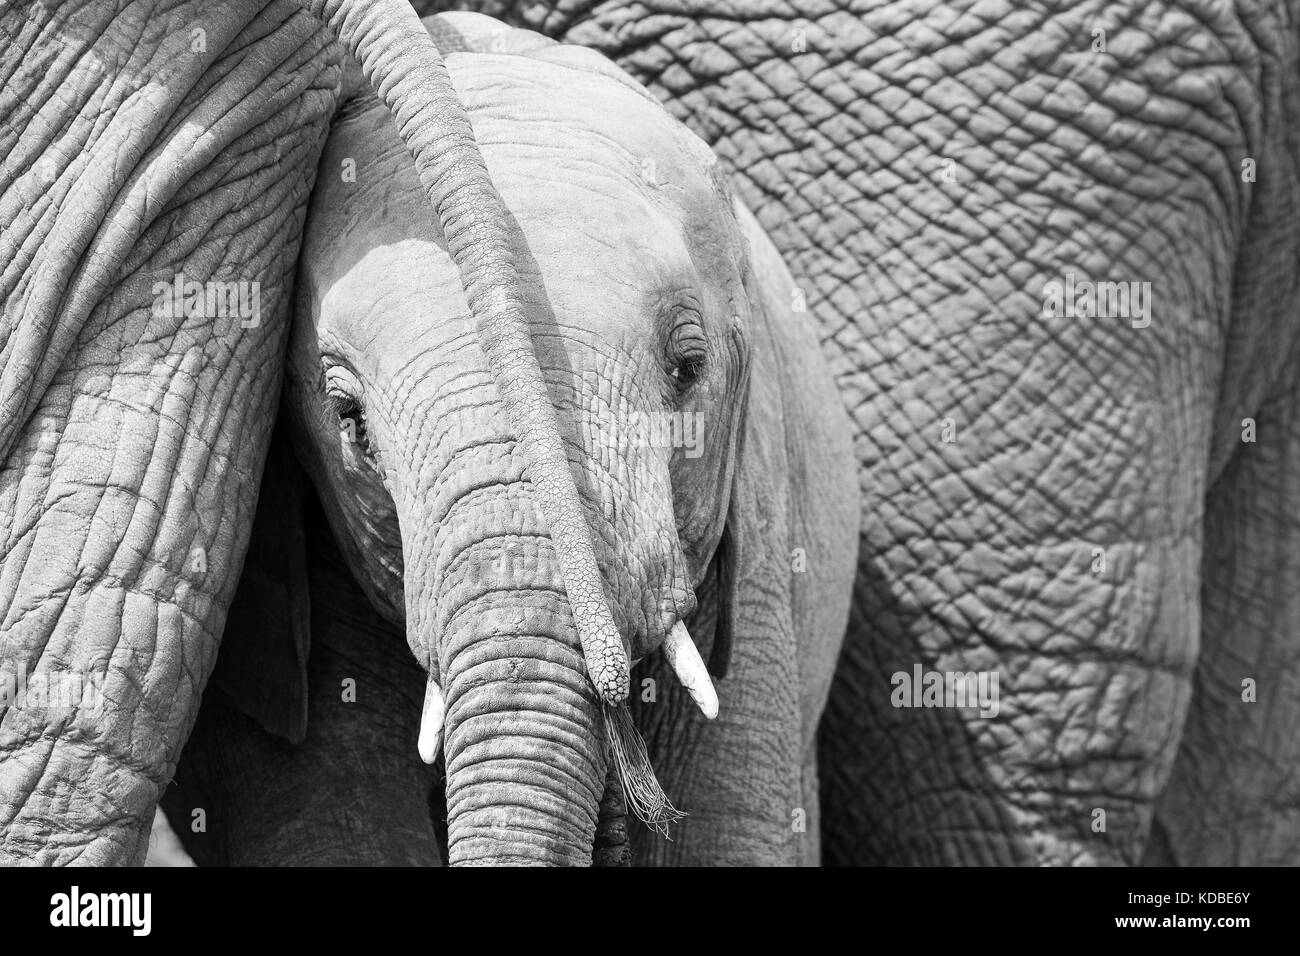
(519, 791)
(525, 765)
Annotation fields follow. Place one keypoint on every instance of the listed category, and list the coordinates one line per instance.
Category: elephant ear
(755, 527)
(722, 580)
(262, 665)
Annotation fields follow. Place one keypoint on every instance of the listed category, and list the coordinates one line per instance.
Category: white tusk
(431, 722)
(684, 658)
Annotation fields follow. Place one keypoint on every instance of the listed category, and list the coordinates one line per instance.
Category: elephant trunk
(401, 62)
(524, 740)
(519, 789)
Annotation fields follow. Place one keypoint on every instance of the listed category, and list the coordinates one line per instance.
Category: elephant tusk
(431, 722)
(685, 660)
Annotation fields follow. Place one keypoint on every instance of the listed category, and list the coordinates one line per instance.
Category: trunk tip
(607, 665)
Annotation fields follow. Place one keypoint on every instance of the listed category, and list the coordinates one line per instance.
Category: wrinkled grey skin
(648, 293)
(1121, 690)
(141, 143)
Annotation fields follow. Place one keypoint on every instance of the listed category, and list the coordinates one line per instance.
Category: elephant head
(638, 297)
(156, 168)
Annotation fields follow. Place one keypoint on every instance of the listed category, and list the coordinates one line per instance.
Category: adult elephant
(705, 430)
(157, 165)
(1059, 497)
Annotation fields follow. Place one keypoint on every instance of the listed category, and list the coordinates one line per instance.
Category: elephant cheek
(524, 740)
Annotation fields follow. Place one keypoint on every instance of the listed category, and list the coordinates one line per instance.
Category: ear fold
(262, 664)
(722, 580)
(755, 523)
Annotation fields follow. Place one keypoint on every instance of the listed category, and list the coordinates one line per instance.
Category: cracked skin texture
(1120, 690)
(143, 141)
(145, 444)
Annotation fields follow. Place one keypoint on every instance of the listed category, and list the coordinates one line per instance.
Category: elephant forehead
(405, 297)
(583, 122)
(633, 195)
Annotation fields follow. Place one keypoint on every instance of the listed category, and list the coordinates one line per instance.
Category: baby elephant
(706, 439)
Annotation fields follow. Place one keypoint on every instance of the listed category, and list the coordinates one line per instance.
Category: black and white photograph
(651, 433)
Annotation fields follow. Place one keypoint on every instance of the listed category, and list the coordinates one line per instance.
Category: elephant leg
(151, 199)
(1234, 796)
(355, 791)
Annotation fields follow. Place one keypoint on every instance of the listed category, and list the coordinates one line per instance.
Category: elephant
(1093, 506)
(156, 173)
(716, 473)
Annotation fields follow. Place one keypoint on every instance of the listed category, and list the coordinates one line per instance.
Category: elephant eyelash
(340, 405)
(688, 371)
(344, 408)
(686, 351)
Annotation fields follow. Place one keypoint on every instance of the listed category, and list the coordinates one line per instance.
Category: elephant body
(1071, 500)
(128, 433)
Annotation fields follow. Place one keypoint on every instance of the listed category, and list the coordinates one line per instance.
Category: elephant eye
(352, 420)
(687, 351)
(687, 371)
(341, 388)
